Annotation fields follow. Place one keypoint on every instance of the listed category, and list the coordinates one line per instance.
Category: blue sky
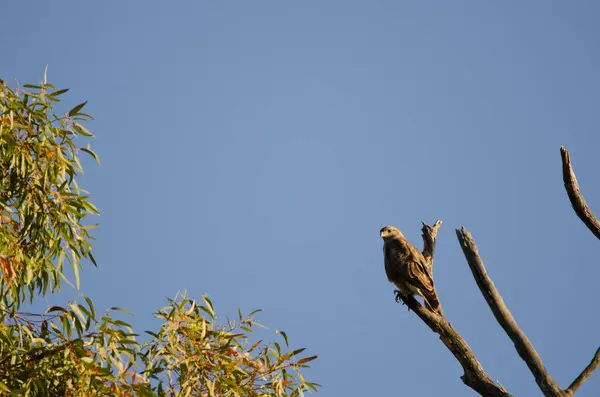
(252, 151)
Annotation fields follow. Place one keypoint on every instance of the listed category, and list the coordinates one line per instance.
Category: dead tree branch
(522, 344)
(474, 375)
(583, 212)
(584, 374)
(429, 234)
(493, 298)
(577, 201)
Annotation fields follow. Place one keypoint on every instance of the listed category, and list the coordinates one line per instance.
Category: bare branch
(577, 201)
(474, 375)
(585, 214)
(429, 234)
(584, 374)
(524, 347)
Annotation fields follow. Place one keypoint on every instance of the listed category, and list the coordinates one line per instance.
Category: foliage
(71, 351)
(191, 355)
(41, 206)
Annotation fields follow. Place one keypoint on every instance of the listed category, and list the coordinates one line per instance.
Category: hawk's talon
(399, 296)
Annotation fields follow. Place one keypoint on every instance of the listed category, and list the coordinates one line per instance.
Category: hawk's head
(390, 232)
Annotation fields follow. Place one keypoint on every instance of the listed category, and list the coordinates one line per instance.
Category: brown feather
(406, 267)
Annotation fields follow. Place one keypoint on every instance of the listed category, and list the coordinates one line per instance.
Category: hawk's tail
(432, 302)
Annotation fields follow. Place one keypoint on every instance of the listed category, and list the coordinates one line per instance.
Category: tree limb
(577, 201)
(583, 212)
(584, 374)
(474, 375)
(524, 347)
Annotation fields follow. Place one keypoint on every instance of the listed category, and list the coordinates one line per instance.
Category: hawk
(407, 268)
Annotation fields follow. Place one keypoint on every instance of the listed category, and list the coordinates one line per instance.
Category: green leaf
(90, 306)
(91, 153)
(4, 388)
(59, 92)
(75, 263)
(210, 305)
(56, 309)
(120, 309)
(66, 326)
(87, 360)
(152, 334)
(84, 116)
(77, 108)
(253, 312)
(61, 259)
(121, 323)
(78, 312)
(296, 352)
(284, 338)
(92, 258)
(81, 130)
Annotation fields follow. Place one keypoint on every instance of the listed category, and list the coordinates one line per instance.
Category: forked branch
(585, 214)
(474, 375)
(526, 351)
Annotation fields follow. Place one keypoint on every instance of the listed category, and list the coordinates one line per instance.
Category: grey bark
(504, 317)
(577, 201)
(474, 375)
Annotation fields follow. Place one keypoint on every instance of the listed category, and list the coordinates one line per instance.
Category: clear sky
(252, 150)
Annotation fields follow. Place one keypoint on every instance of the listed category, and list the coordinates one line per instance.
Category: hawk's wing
(403, 261)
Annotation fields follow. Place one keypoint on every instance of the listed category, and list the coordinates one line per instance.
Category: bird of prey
(407, 268)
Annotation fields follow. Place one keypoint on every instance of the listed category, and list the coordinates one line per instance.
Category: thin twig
(577, 201)
(584, 374)
(493, 298)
